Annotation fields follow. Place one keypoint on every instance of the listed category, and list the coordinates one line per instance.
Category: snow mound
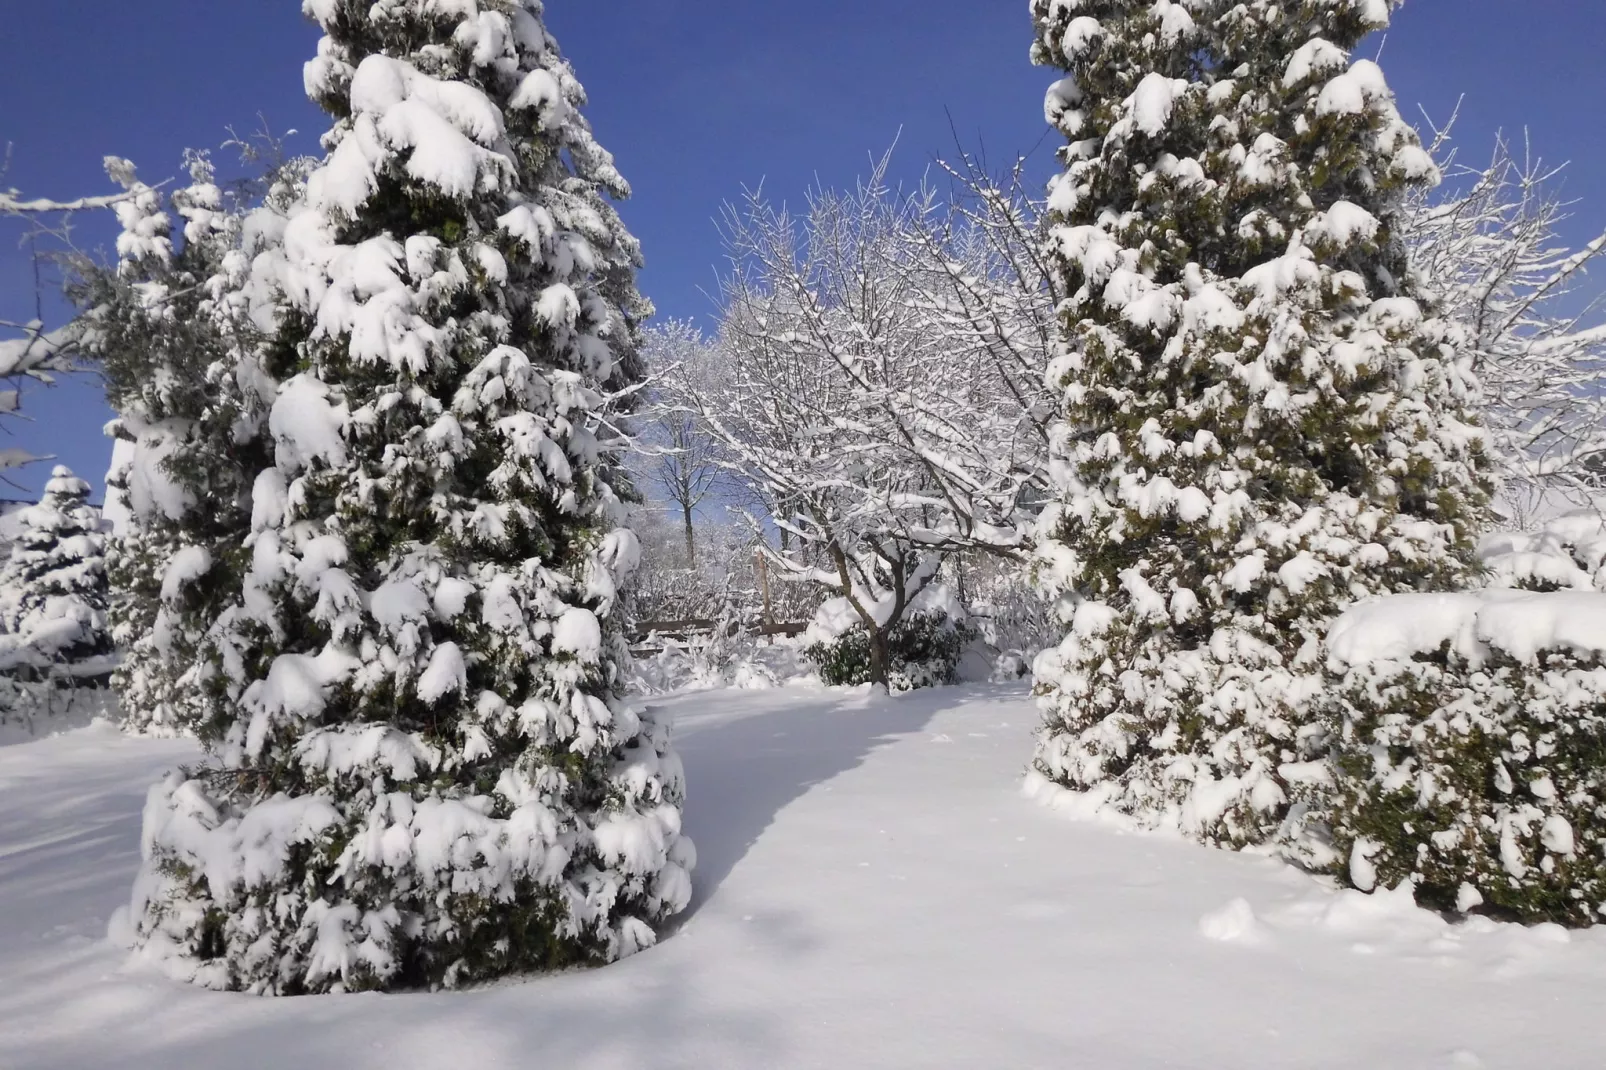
(1517, 623)
(1388, 923)
(836, 617)
(1234, 923)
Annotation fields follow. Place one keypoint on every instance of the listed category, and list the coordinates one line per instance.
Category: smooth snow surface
(1520, 623)
(874, 891)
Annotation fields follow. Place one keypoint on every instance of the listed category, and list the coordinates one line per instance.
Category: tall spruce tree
(53, 604)
(422, 770)
(1263, 419)
(166, 325)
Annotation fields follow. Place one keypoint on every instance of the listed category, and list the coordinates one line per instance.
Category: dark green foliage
(1263, 419)
(1482, 784)
(923, 650)
(422, 768)
(54, 640)
(166, 327)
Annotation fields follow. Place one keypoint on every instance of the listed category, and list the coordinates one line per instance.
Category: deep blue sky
(697, 98)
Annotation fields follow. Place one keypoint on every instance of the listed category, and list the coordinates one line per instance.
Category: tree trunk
(691, 539)
(880, 660)
(762, 563)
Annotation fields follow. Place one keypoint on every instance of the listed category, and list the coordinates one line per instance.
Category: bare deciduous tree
(682, 458)
(882, 383)
(1492, 247)
(35, 353)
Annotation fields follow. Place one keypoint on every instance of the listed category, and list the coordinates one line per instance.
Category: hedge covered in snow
(923, 645)
(1470, 751)
(924, 650)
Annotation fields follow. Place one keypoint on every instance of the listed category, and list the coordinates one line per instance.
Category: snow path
(873, 892)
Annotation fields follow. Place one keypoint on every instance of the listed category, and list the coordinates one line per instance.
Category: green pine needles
(169, 325)
(1469, 752)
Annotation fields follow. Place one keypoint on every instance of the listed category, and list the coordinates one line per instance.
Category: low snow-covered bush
(923, 650)
(1469, 736)
(1014, 619)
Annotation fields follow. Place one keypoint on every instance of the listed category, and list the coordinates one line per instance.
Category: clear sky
(697, 98)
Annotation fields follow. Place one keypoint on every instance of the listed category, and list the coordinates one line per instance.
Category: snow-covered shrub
(421, 768)
(53, 596)
(922, 647)
(1469, 736)
(1261, 418)
(677, 665)
(1012, 617)
(664, 592)
(1567, 553)
(923, 650)
(672, 586)
(707, 662)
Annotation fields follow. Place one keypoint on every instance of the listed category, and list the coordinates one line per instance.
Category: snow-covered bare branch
(12, 202)
(30, 350)
(1493, 248)
(882, 387)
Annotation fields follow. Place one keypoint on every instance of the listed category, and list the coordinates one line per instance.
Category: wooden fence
(645, 632)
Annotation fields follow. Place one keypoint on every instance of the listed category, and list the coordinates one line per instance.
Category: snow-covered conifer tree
(165, 326)
(423, 772)
(53, 593)
(1263, 420)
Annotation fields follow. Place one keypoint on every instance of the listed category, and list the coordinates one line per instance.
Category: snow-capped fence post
(761, 565)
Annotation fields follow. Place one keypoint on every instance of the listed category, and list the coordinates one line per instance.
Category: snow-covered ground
(873, 891)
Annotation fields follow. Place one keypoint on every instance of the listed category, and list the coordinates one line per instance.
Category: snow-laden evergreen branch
(1264, 417)
(419, 750)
